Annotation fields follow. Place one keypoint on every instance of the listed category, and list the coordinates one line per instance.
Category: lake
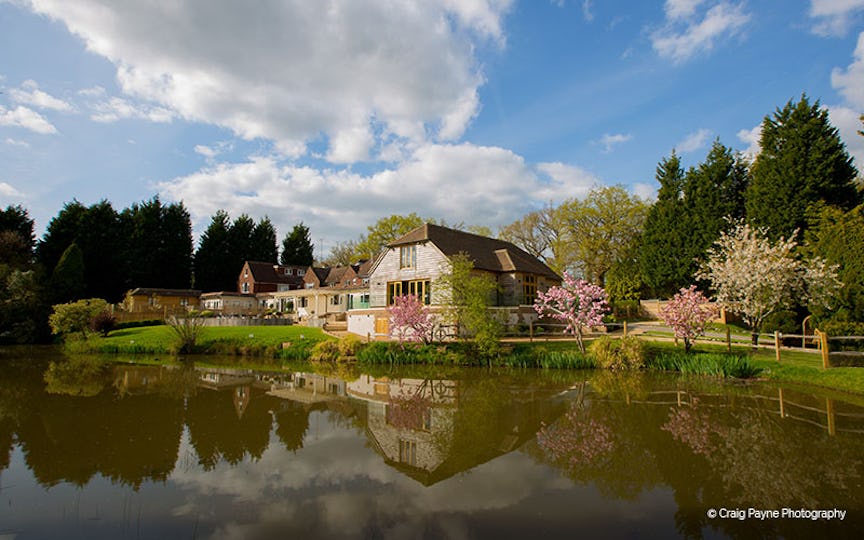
(93, 449)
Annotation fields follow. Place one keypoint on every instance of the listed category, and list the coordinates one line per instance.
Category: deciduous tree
(602, 229)
(755, 277)
(384, 231)
(576, 302)
(410, 319)
(687, 313)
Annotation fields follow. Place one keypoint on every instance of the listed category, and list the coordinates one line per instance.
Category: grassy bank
(287, 342)
(267, 342)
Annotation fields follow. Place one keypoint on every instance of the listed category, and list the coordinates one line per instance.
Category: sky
(336, 113)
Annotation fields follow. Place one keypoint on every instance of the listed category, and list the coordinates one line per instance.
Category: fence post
(829, 410)
(728, 339)
(777, 344)
(625, 329)
(823, 342)
(782, 405)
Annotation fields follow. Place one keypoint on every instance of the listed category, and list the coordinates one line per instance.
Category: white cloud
(609, 141)
(26, 118)
(567, 181)
(681, 9)
(295, 70)
(586, 10)
(645, 191)
(850, 82)
(95, 91)
(685, 35)
(834, 17)
(694, 141)
(848, 123)
(29, 94)
(15, 142)
(437, 180)
(8, 191)
(751, 137)
(205, 151)
(121, 109)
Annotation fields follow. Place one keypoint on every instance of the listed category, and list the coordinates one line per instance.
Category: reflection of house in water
(408, 419)
(433, 429)
(309, 388)
(137, 380)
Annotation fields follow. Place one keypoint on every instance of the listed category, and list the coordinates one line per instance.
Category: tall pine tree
(263, 242)
(664, 255)
(802, 161)
(297, 248)
(214, 250)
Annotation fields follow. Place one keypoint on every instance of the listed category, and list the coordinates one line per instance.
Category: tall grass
(707, 363)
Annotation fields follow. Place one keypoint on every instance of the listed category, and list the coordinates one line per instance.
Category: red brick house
(263, 277)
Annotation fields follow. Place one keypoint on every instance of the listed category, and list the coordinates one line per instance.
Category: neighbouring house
(413, 263)
(165, 301)
(263, 277)
(326, 295)
(230, 303)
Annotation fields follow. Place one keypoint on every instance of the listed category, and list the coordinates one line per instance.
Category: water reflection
(239, 452)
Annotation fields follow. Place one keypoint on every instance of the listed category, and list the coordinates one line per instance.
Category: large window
(419, 288)
(408, 257)
(529, 289)
(408, 452)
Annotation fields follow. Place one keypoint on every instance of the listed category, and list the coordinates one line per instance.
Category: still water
(90, 449)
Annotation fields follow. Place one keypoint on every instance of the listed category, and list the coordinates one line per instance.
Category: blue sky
(338, 113)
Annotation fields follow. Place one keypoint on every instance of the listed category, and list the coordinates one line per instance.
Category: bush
(76, 316)
(103, 322)
(350, 345)
(627, 353)
(782, 321)
(325, 351)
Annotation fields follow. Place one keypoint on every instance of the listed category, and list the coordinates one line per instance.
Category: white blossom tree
(755, 277)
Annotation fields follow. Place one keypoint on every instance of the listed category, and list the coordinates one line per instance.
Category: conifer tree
(663, 257)
(297, 248)
(802, 161)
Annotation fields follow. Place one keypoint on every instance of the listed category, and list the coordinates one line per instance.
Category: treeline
(98, 252)
(802, 185)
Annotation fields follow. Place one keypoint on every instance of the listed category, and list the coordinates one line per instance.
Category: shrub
(627, 353)
(325, 351)
(350, 345)
(103, 322)
(76, 316)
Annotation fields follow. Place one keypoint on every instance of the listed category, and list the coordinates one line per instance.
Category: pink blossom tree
(410, 319)
(578, 303)
(687, 313)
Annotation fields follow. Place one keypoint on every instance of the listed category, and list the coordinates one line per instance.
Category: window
(300, 271)
(304, 302)
(408, 452)
(529, 289)
(419, 288)
(408, 257)
(245, 287)
(336, 300)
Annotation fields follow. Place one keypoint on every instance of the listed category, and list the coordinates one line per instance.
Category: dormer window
(408, 256)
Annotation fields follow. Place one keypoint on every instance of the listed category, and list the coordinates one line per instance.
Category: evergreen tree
(297, 247)
(16, 237)
(240, 243)
(68, 281)
(664, 251)
(263, 242)
(213, 251)
(102, 239)
(714, 194)
(838, 237)
(159, 251)
(802, 162)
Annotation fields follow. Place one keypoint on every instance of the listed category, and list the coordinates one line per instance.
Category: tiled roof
(487, 253)
(265, 272)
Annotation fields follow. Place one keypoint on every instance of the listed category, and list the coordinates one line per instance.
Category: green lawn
(227, 340)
